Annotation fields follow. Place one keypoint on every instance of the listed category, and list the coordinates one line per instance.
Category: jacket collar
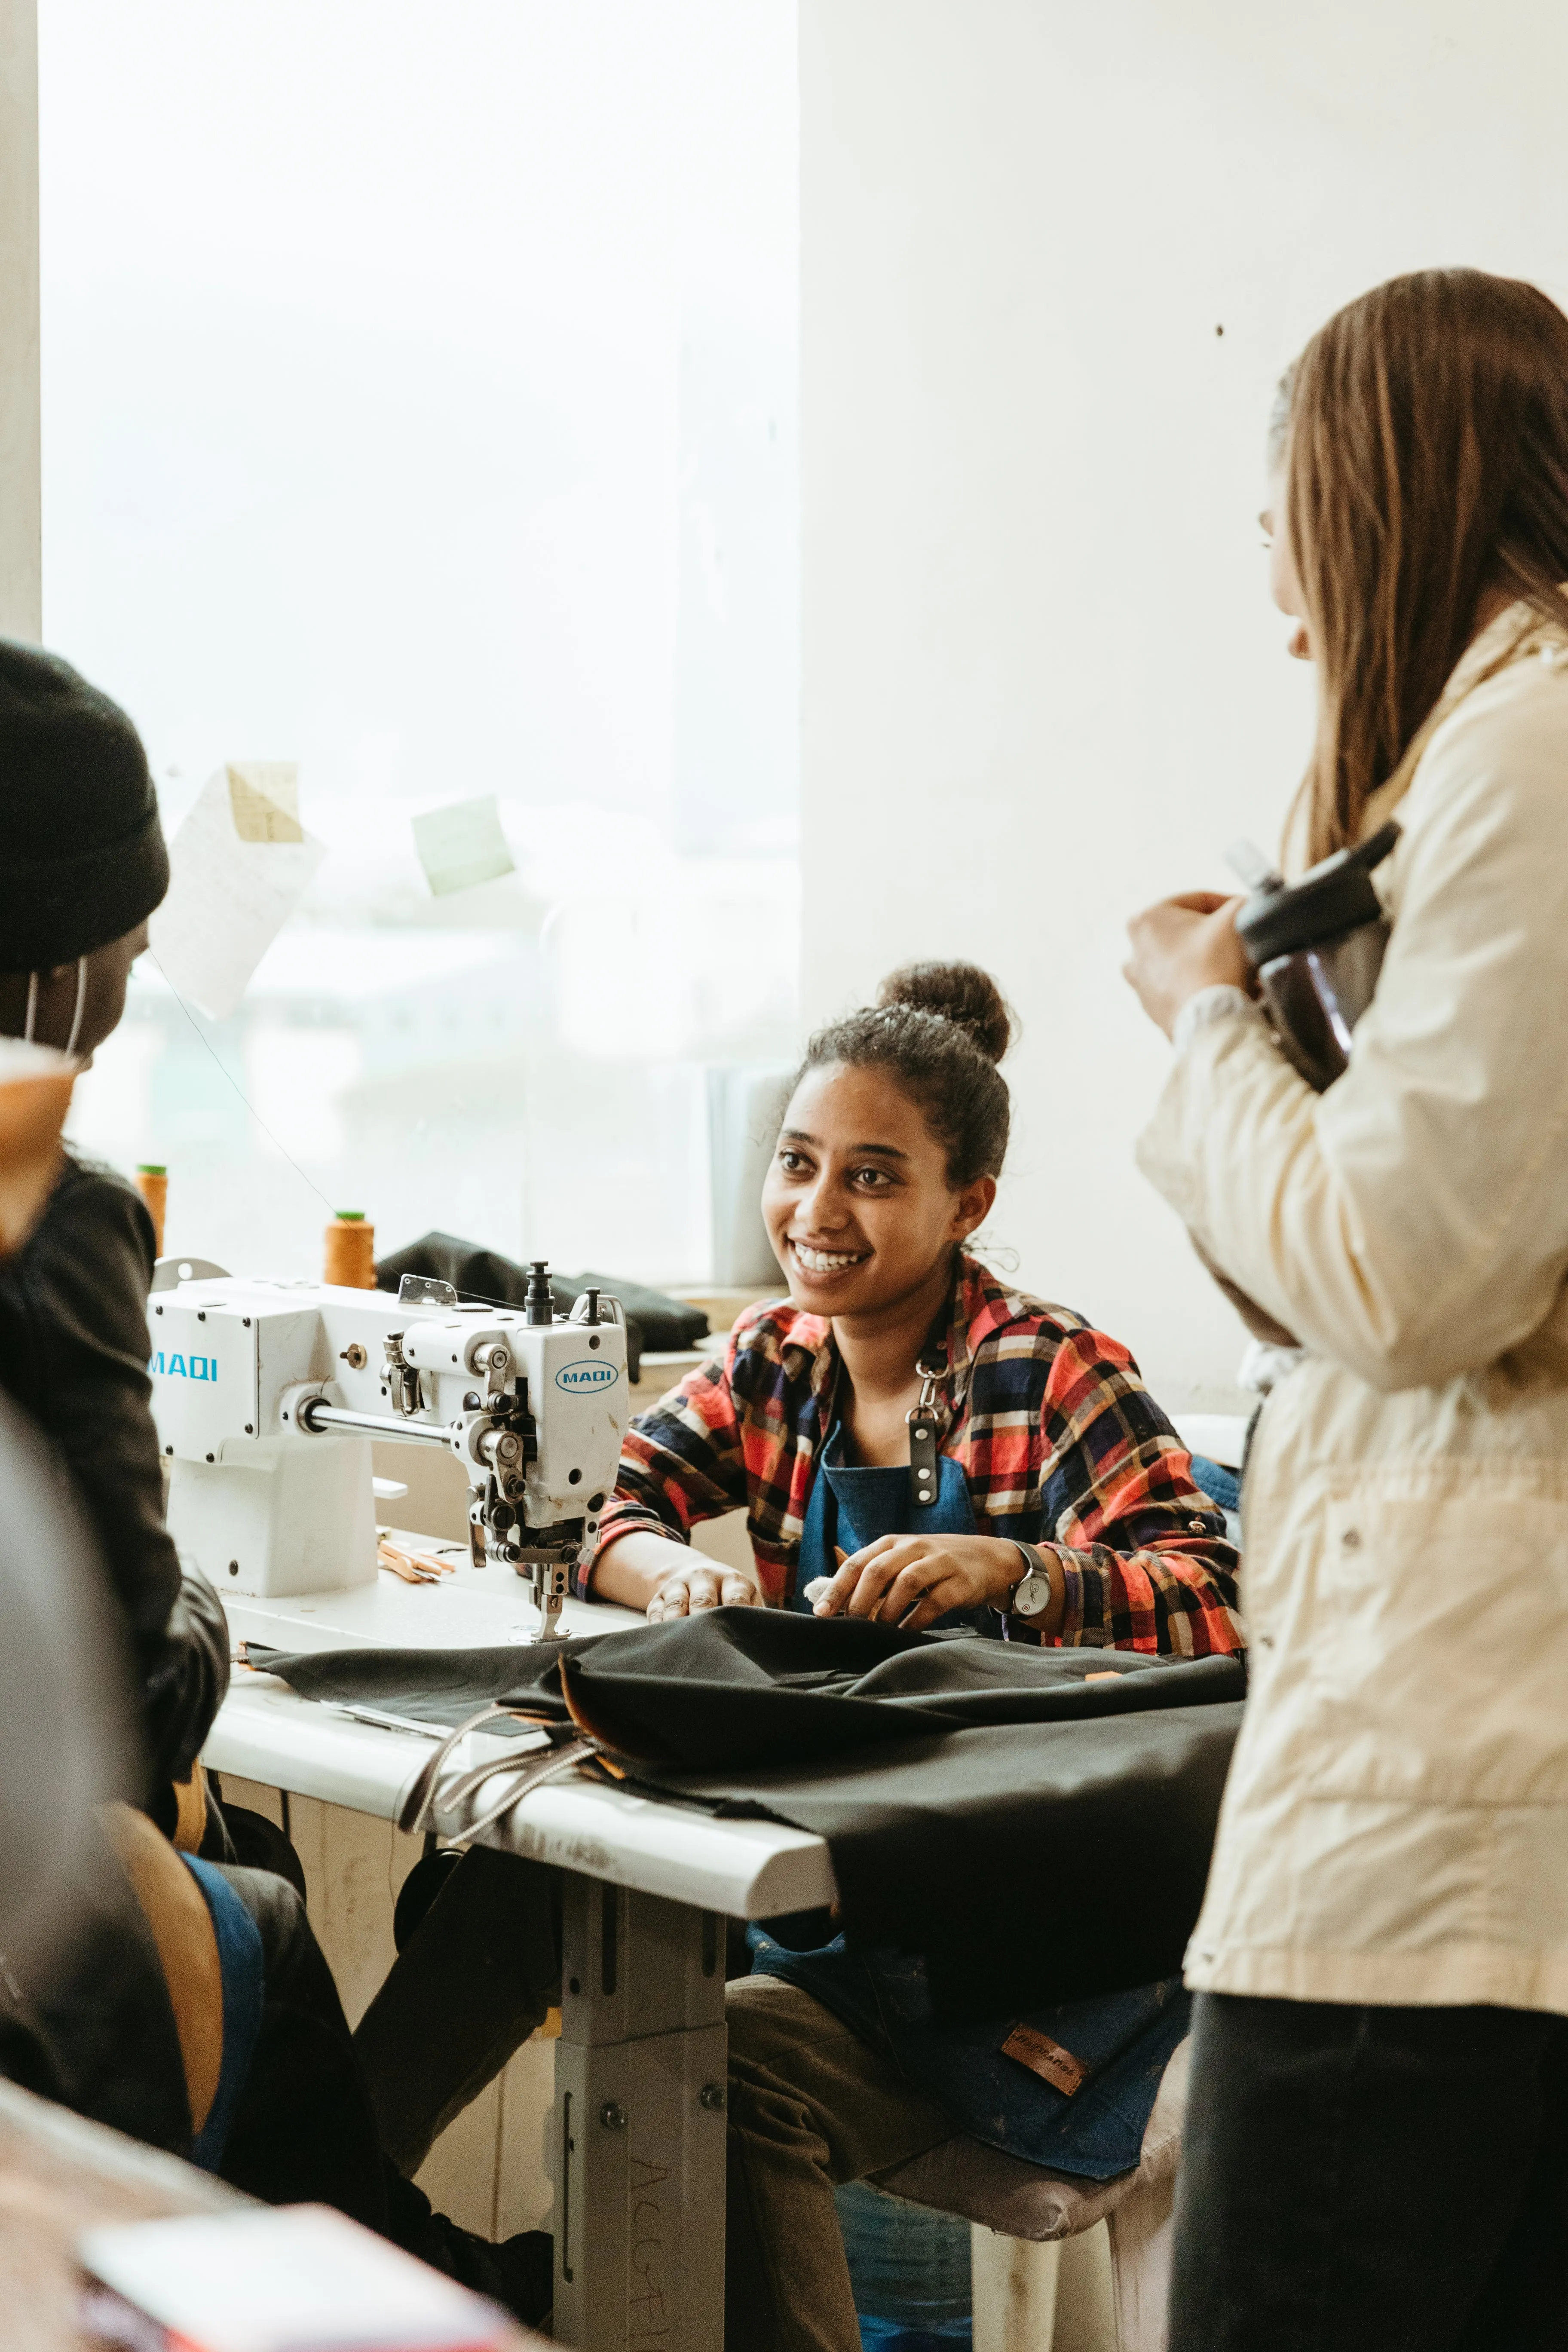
(978, 1306)
(1516, 631)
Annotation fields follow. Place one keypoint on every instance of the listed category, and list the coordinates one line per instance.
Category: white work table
(751, 1870)
(638, 2131)
(266, 1732)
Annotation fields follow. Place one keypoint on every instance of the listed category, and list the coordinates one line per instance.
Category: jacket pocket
(1439, 1664)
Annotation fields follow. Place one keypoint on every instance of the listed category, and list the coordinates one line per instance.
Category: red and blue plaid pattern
(1059, 1440)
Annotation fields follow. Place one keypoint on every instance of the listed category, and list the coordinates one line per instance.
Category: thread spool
(152, 1184)
(350, 1256)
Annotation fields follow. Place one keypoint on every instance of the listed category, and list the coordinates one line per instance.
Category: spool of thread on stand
(152, 1184)
(349, 1259)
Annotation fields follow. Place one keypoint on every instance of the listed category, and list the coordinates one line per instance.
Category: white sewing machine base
(640, 2066)
(471, 1608)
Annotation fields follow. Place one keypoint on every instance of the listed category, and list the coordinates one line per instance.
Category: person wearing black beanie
(81, 851)
(83, 864)
(82, 867)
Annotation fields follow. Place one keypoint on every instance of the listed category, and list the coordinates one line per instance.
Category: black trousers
(1360, 2180)
(478, 1973)
(305, 2128)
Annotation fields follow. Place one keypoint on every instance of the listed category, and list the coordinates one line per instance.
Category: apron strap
(924, 1426)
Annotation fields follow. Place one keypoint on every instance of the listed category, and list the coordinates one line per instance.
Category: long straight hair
(1427, 463)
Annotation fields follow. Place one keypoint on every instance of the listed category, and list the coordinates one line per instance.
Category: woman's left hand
(912, 1580)
(1182, 945)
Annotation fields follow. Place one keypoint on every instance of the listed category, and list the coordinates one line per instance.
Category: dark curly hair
(939, 1029)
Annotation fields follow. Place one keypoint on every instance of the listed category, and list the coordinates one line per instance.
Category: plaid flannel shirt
(1057, 1438)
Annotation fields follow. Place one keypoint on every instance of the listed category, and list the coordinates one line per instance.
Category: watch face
(1033, 1597)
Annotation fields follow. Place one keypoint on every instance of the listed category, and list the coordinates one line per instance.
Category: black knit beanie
(82, 859)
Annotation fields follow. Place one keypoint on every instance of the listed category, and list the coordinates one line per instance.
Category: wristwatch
(1031, 1596)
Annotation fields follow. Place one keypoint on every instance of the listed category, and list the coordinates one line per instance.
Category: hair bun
(959, 992)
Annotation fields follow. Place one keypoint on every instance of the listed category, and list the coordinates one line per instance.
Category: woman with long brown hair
(1377, 2139)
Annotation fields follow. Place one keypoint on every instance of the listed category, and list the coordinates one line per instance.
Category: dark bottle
(1318, 945)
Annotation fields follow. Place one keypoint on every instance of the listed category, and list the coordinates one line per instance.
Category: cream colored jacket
(1395, 1825)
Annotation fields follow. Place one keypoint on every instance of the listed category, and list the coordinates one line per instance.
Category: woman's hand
(703, 1584)
(642, 1570)
(1181, 945)
(912, 1580)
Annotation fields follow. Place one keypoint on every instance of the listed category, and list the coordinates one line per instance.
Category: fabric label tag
(1045, 2058)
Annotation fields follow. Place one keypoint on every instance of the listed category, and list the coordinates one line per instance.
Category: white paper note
(264, 795)
(229, 899)
(462, 845)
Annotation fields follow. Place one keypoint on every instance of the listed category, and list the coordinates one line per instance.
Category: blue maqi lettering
(200, 1367)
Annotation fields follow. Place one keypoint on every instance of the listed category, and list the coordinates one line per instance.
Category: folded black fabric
(442, 1687)
(1036, 1833)
(735, 1687)
(653, 1320)
(1027, 1862)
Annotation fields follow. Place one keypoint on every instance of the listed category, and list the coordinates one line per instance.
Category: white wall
(20, 550)
(1042, 682)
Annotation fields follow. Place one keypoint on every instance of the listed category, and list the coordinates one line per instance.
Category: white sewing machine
(268, 1394)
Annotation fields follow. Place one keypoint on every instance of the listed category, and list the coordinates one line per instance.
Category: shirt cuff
(620, 1518)
(1221, 1002)
(1069, 1632)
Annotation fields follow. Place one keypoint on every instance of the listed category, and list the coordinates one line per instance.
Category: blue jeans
(1360, 2180)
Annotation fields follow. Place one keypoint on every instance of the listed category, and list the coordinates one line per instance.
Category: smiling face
(858, 1203)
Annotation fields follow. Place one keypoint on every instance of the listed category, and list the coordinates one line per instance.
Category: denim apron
(849, 1508)
(1122, 2041)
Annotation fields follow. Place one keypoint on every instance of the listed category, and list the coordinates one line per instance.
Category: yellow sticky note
(264, 795)
(461, 845)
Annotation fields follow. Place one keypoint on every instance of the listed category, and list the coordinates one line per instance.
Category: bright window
(419, 405)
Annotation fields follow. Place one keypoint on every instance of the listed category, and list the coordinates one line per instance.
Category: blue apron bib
(849, 1508)
(1123, 2039)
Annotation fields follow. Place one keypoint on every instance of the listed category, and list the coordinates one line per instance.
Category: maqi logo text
(585, 1374)
(184, 1368)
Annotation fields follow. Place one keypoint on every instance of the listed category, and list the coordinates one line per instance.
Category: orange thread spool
(350, 1256)
(152, 1184)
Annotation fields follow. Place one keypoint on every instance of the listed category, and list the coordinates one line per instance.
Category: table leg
(639, 2123)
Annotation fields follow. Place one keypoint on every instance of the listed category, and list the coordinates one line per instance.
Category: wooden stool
(962, 2176)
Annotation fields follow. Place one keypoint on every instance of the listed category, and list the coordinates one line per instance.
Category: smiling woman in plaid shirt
(909, 1438)
(1061, 1498)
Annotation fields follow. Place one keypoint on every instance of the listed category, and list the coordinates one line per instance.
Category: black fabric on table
(1037, 1835)
(653, 1320)
(1029, 1863)
(442, 1687)
(752, 1687)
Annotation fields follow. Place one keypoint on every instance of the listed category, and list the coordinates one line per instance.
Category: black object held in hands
(1318, 945)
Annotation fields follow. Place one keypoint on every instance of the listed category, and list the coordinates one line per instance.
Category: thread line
(233, 1082)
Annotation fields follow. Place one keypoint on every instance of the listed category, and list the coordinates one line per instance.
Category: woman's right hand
(1184, 945)
(703, 1584)
(642, 1570)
